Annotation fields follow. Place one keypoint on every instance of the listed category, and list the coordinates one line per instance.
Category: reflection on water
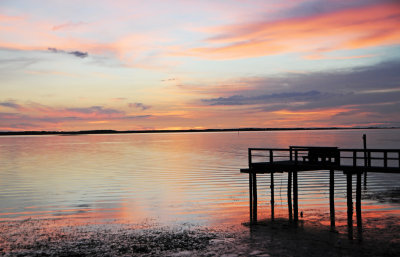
(169, 178)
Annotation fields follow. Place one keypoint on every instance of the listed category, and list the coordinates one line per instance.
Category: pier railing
(329, 156)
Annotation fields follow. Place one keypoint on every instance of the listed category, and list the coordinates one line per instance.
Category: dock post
(254, 197)
(251, 195)
(289, 195)
(272, 197)
(332, 197)
(358, 206)
(349, 205)
(295, 197)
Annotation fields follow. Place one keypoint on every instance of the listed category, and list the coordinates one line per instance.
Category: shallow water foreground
(57, 237)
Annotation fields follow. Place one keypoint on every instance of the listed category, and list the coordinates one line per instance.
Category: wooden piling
(272, 197)
(251, 195)
(295, 197)
(289, 195)
(254, 197)
(358, 205)
(332, 197)
(349, 205)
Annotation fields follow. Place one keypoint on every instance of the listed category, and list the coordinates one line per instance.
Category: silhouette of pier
(310, 158)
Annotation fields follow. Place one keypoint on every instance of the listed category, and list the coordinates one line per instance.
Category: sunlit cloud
(359, 27)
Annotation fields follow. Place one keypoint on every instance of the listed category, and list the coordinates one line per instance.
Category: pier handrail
(295, 153)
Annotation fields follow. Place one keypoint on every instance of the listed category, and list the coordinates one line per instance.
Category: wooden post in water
(349, 205)
(251, 195)
(332, 197)
(358, 206)
(272, 197)
(295, 197)
(250, 184)
(271, 160)
(289, 195)
(254, 197)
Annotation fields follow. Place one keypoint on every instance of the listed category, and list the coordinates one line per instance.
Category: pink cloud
(346, 29)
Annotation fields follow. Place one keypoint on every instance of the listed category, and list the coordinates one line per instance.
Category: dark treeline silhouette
(110, 131)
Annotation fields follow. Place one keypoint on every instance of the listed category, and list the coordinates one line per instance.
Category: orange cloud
(347, 29)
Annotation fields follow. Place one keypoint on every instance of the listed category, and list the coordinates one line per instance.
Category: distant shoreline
(87, 132)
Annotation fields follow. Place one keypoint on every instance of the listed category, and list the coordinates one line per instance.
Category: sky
(197, 64)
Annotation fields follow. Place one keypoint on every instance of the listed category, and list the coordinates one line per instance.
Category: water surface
(175, 177)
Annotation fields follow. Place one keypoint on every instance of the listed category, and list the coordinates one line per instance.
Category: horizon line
(111, 131)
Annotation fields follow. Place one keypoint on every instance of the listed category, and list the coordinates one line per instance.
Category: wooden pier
(308, 158)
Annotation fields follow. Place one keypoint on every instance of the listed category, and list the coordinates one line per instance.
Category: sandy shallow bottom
(62, 237)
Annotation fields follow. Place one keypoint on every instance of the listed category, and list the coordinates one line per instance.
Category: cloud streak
(10, 104)
(349, 93)
(262, 99)
(79, 54)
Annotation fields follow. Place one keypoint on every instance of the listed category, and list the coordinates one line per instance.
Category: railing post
(354, 158)
(249, 156)
(369, 158)
(385, 159)
(295, 156)
(337, 158)
(399, 158)
(271, 156)
(365, 148)
(290, 153)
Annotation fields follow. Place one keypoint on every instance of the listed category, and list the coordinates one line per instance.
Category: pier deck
(308, 158)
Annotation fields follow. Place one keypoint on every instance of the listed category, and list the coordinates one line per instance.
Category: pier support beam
(332, 197)
(349, 205)
(251, 195)
(254, 197)
(358, 206)
(272, 197)
(295, 198)
(289, 195)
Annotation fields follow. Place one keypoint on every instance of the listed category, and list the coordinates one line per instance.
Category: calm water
(172, 178)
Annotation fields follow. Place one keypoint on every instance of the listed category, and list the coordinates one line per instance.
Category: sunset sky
(183, 64)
